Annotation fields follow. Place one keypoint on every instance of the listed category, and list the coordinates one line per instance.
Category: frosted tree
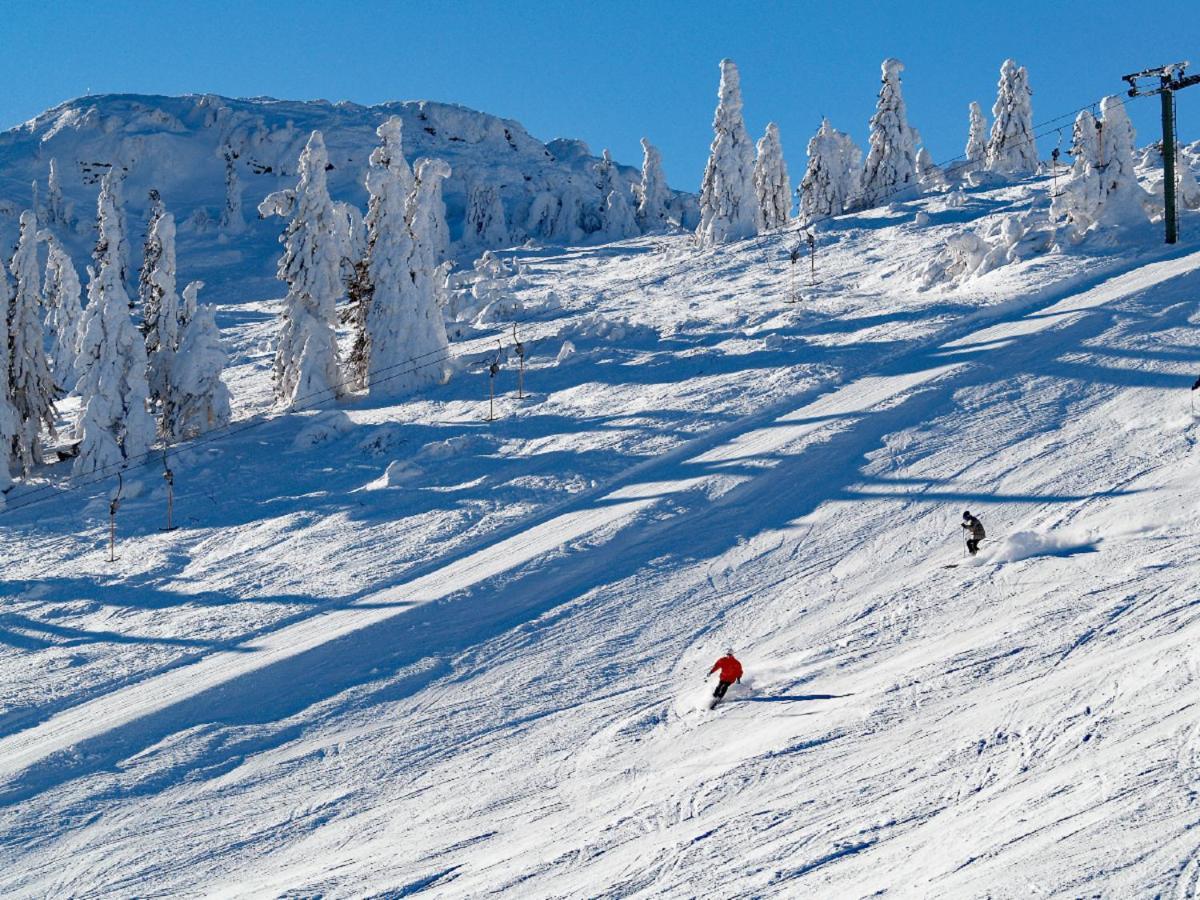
(114, 425)
(112, 242)
(483, 225)
(306, 359)
(64, 314)
(152, 251)
(406, 334)
(1011, 149)
(30, 381)
(977, 146)
(728, 203)
(618, 219)
(929, 174)
(58, 212)
(35, 205)
(163, 314)
(8, 416)
(771, 181)
(198, 400)
(892, 158)
(232, 220)
(435, 217)
(653, 195)
(1103, 189)
(389, 182)
(425, 338)
(831, 181)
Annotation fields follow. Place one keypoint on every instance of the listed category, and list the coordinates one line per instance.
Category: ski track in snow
(522, 718)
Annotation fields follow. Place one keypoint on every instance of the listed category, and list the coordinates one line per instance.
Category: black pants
(973, 545)
(722, 687)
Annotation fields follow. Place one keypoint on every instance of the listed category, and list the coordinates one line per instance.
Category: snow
(393, 648)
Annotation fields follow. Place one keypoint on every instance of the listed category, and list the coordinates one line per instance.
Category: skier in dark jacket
(975, 532)
(730, 671)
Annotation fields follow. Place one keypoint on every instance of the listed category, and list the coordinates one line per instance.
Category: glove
(739, 681)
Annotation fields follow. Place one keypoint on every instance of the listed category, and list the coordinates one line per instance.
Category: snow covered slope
(398, 650)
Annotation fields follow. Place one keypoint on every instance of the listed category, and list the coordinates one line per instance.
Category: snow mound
(325, 426)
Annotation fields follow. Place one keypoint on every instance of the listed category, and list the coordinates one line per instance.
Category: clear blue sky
(608, 73)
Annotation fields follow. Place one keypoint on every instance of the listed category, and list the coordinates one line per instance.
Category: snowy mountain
(186, 148)
(432, 646)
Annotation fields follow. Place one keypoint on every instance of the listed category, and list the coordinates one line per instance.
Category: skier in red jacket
(730, 671)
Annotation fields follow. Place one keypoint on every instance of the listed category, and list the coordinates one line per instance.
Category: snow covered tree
(389, 184)
(1103, 189)
(425, 329)
(114, 425)
(892, 158)
(35, 205)
(728, 203)
(64, 315)
(405, 332)
(620, 218)
(58, 212)
(198, 400)
(232, 220)
(976, 152)
(654, 197)
(112, 242)
(162, 319)
(556, 216)
(8, 416)
(152, 251)
(830, 184)
(771, 181)
(31, 385)
(483, 226)
(617, 218)
(435, 217)
(306, 359)
(929, 174)
(1012, 149)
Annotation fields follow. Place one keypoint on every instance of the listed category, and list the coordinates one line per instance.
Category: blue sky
(608, 73)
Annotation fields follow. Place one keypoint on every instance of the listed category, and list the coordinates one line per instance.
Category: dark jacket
(975, 527)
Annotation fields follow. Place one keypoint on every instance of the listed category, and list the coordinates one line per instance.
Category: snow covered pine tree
(653, 196)
(64, 314)
(1012, 149)
(162, 313)
(198, 400)
(728, 203)
(8, 415)
(831, 181)
(892, 159)
(31, 385)
(771, 182)
(976, 151)
(306, 359)
(114, 425)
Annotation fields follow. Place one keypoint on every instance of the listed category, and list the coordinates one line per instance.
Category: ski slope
(514, 705)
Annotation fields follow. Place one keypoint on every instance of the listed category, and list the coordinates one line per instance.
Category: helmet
(729, 652)
(966, 514)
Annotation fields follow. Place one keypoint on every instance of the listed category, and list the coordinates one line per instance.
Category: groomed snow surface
(398, 650)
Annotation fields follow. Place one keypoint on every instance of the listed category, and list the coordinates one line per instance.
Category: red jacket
(731, 669)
